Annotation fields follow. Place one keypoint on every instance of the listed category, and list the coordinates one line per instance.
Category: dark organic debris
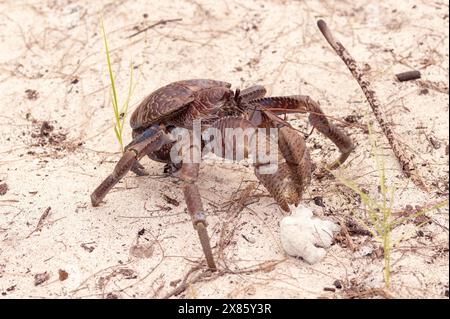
(3, 189)
(141, 251)
(11, 288)
(171, 201)
(353, 118)
(377, 253)
(408, 76)
(419, 218)
(318, 200)
(358, 290)
(32, 94)
(329, 289)
(355, 229)
(89, 249)
(440, 86)
(41, 278)
(128, 273)
(111, 295)
(45, 134)
(46, 129)
(63, 275)
(338, 284)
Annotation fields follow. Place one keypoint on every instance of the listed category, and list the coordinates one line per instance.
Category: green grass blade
(111, 76)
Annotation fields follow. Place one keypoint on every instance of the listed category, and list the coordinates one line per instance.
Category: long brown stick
(407, 166)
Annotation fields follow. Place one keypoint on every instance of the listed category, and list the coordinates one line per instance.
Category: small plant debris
(352, 118)
(128, 273)
(41, 278)
(41, 221)
(141, 251)
(46, 134)
(171, 201)
(63, 275)
(87, 247)
(338, 284)
(420, 219)
(355, 229)
(318, 200)
(111, 295)
(46, 128)
(408, 76)
(377, 253)
(32, 94)
(13, 287)
(3, 189)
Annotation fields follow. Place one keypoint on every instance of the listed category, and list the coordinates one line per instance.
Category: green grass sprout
(381, 221)
(119, 113)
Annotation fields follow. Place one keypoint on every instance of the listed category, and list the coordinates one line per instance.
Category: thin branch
(409, 169)
(154, 25)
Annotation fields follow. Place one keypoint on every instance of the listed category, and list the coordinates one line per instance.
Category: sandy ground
(57, 144)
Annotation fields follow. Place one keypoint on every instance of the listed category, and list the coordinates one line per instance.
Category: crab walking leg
(128, 160)
(293, 147)
(281, 182)
(253, 92)
(304, 104)
(189, 176)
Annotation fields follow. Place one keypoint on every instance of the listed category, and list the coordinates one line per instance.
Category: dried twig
(41, 221)
(154, 25)
(207, 275)
(407, 166)
(184, 284)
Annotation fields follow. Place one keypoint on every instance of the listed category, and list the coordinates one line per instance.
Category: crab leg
(253, 92)
(304, 104)
(189, 176)
(153, 140)
(293, 147)
(286, 184)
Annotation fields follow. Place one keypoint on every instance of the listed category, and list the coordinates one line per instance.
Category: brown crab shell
(168, 100)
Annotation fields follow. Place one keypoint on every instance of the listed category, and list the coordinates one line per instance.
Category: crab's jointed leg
(189, 176)
(304, 104)
(153, 139)
(287, 182)
(253, 92)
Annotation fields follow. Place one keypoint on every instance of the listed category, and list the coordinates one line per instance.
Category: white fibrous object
(305, 236)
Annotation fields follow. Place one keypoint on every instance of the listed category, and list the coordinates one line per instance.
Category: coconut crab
(178, 104)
